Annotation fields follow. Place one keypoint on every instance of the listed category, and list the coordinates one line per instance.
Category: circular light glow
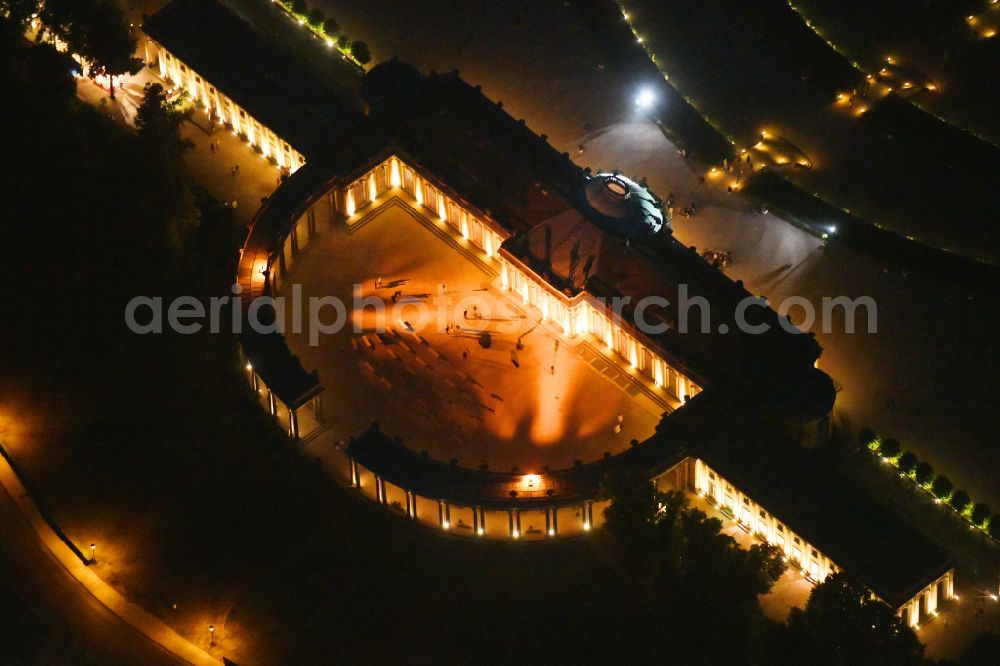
(645, 98)
(616, 187)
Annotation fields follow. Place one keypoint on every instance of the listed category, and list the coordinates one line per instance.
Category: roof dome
(627, 206)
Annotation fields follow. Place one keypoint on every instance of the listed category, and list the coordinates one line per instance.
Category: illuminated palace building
(576, 252)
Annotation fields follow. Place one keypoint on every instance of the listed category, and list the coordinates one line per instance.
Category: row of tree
(939, 485)
(94, 30)
(328, 28)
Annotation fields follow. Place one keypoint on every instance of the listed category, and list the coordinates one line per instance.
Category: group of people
(718, 258)
(672, 207)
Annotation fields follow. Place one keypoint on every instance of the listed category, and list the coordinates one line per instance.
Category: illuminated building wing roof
(811, 495)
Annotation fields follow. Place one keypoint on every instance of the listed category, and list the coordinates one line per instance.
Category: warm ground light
(157, 513)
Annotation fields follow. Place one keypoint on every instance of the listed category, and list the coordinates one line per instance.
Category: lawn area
(301, 44)
(757, 67)
(935, 37)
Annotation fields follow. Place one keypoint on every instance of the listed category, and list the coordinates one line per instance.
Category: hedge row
(940, 486)
(327, 29)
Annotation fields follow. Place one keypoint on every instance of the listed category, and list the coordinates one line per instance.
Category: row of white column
(514, 530)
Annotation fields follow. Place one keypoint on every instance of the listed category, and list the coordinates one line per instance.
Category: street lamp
(211, 634)
(93, 553)
(645, 98)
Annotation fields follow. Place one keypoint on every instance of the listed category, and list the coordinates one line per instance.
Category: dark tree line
(80, 186)
(694, 582)
(93, 29)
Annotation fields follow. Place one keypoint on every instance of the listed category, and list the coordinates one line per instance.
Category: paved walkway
(61, 589)
(790, 591)
(213, 168)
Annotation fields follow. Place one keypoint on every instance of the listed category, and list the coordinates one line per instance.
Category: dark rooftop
(279, 368)
(396, 463)
(298, 105)
(392, 460)
(467, 141)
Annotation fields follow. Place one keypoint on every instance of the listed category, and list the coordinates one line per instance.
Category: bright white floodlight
(645, 98)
